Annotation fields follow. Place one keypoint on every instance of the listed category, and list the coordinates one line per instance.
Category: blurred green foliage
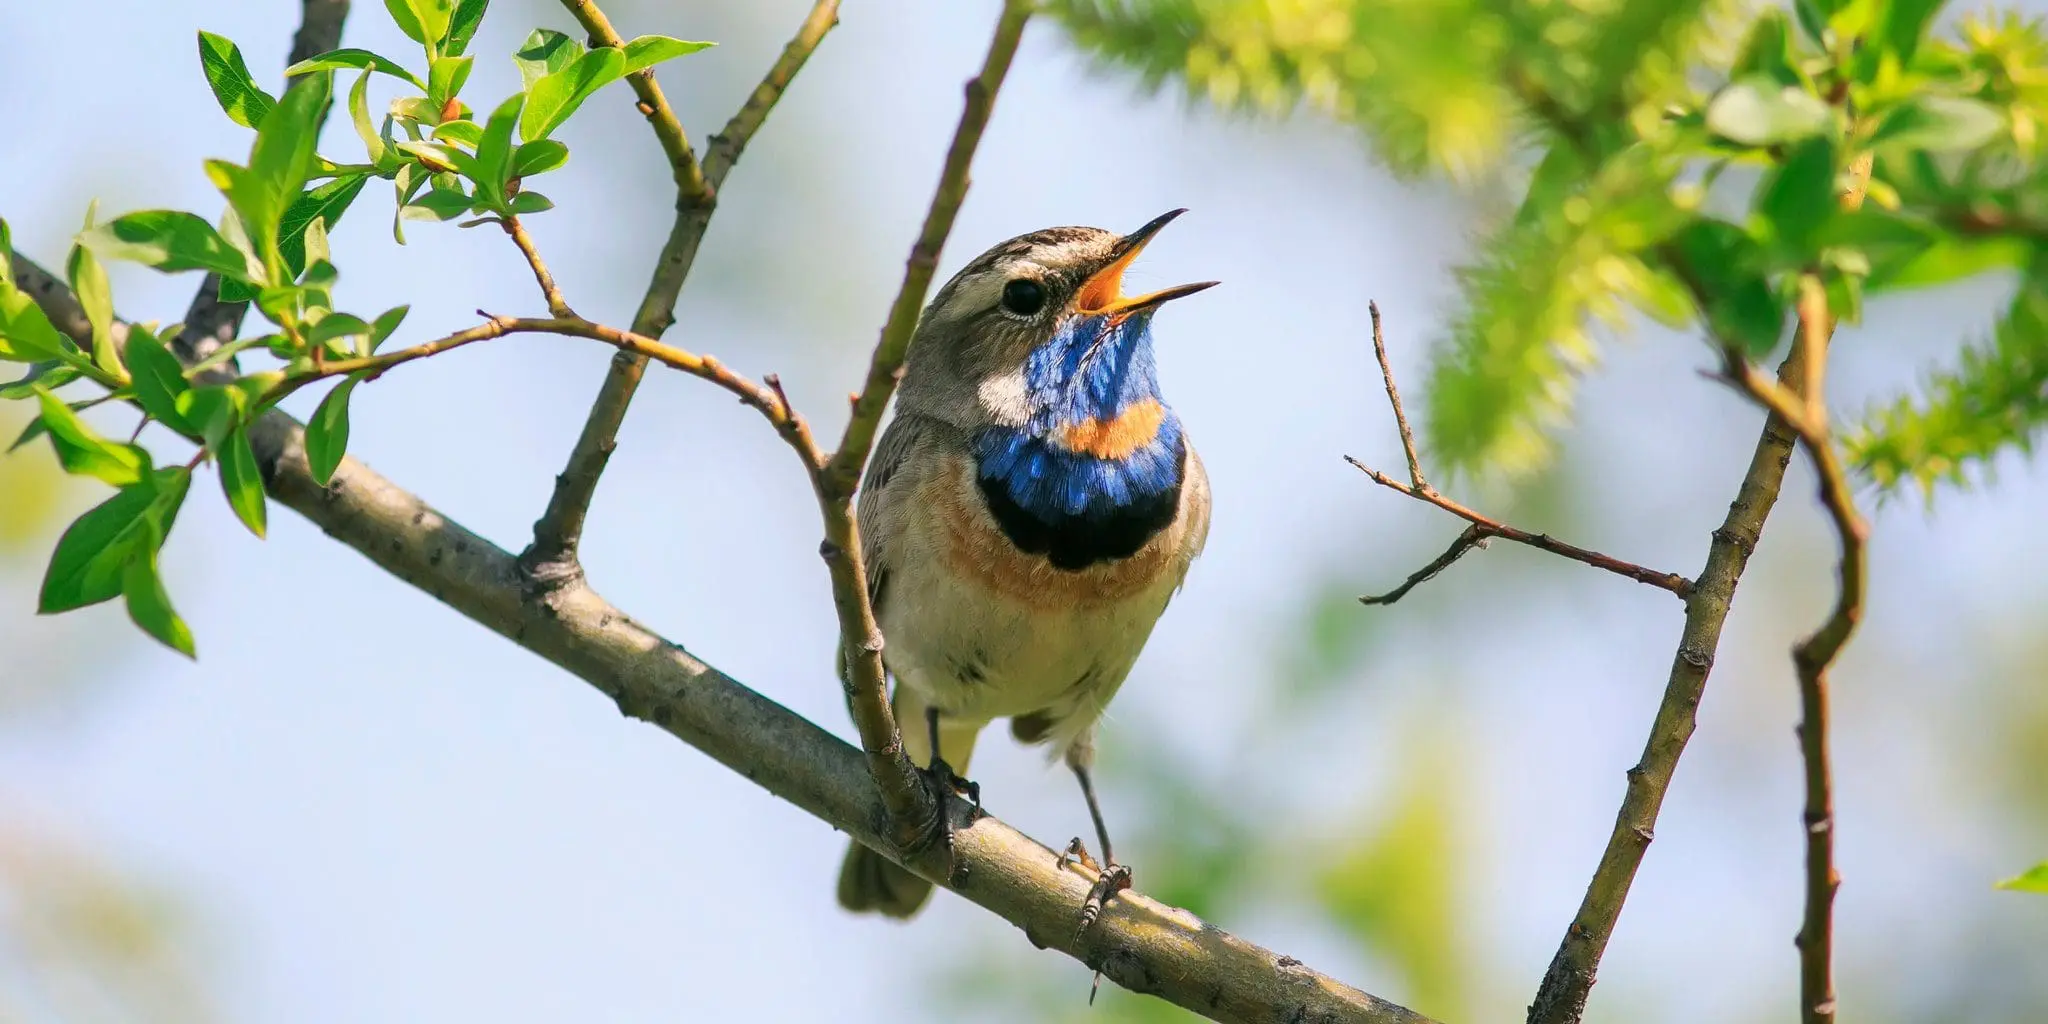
(1616, 121)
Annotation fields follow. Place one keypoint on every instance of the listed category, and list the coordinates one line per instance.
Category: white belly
(982, 631)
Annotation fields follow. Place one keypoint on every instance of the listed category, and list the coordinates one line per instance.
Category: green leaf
(50, 374)
(169, 240)
(434, 16)
(438, 205)
(538, 157)
(467, 133)
(318, 252)
(228, 76)
(85, 453)
(26, 334)
(531, 202)
(647, 51)
(96, 296)
(327, 432)
(2034, 879)
(544, 53)
(1767, 53)
(241, 480)
(387, 322)
(494, 151)
(334, 60)
(1940, 124)
(33, 430)
(325, 203)
(214, 409)
(550, 101)
(86, 567)
(1813, 19)
(1757, 111)
(462, 26)
(1798, 197)
(439, 156)
(158, 379)
(407, 19)
(149, 605)
(279, 164)
(1952, 258)
(1727, 267)
(445, 77)
(1903, 25)
(359, 116)
(336, 327)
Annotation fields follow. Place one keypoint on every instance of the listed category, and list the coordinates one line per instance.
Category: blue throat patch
(1097, 469)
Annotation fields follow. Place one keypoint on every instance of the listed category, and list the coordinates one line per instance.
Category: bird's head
(1037, 335)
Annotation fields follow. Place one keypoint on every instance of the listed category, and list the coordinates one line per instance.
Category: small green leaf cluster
(1638, 112)
(270, 248)
(442, 162)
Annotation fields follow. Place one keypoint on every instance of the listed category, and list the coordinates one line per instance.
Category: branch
(1482, 527)
(913, 813)
(557, 306)
(1139, 943)
(210, 323)
(886, 367)
(552, 555)
(1473, 537)
(1813, 655)
(1562, 997)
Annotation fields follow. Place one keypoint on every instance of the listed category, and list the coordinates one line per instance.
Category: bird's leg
(1075, 853)
(1115, 877)
(943, 773)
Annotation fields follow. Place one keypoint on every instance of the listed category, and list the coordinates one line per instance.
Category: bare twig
(556, 305)
(1420, 490)
(1379, 350)
(725, 148)
(1473, 537)
(1138, 943)
(209, 322)
(551, 557)
(911, 807)
(1812, 656)
(886, 365)
(1562, 997)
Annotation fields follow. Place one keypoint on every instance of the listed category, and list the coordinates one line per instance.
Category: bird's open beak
(1103, 294)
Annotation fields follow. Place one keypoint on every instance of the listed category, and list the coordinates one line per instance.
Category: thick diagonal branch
(1138, 943)
(552, 555)
(1483, 527)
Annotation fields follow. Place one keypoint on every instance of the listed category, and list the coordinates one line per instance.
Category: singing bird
(1027, 515)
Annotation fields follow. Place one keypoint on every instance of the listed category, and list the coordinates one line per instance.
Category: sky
(367, 808)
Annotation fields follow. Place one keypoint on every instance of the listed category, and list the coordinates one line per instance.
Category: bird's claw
(947, 780)
(1075, 853)
(1114, 879)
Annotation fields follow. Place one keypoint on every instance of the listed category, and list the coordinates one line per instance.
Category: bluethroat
(1027, 515)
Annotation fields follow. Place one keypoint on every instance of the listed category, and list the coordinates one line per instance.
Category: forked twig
(1483, 527)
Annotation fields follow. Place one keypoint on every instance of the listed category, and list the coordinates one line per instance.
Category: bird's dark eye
(1023, 297)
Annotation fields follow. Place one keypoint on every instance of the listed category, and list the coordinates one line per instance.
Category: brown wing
(909, 448)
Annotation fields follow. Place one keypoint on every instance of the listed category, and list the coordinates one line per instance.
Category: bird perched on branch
(1026, 517)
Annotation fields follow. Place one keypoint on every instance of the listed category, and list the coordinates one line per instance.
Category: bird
(1028, 514)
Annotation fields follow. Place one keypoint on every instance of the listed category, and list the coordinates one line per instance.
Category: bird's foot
(1115, 878)
(1075, 853)
(947, 780)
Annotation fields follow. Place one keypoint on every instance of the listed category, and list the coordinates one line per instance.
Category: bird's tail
(871, 881)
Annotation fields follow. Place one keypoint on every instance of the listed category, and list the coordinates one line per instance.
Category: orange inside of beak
(1103, 292)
